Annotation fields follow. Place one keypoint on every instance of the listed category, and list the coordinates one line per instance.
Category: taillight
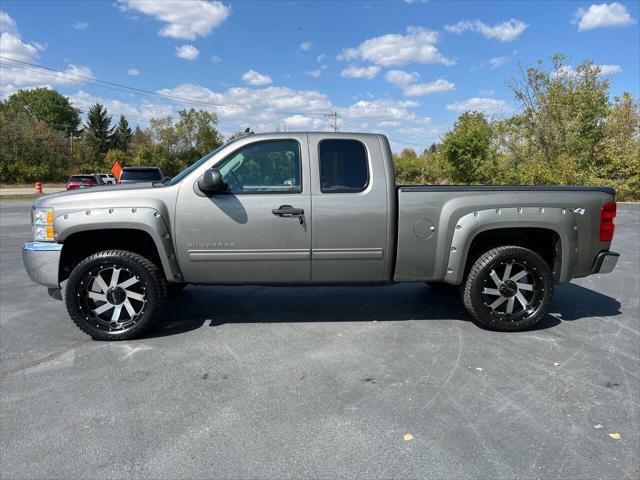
(607, 225)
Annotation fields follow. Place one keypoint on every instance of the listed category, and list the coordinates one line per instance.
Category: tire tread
(158, 283)
(480, 264)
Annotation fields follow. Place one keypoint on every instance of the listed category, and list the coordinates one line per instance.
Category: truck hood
(160, 197)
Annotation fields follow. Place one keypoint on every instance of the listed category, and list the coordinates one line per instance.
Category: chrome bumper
(41, 260)
(605, 262)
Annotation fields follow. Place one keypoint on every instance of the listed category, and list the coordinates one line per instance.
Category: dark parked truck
(313, 209)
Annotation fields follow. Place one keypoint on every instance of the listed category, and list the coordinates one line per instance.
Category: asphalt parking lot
(257, 382)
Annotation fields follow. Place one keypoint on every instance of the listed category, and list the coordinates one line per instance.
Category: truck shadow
(213, 306)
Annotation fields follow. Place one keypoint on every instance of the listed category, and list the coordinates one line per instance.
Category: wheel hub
(508, 288)
(512, 290)
(116, 295)
(113, 298)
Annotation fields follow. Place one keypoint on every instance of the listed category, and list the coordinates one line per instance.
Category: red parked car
(76, 182)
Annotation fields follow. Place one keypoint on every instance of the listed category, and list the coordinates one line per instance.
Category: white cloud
(603, 15)
(133, 72)
(486, 105)
(408, 82)
(254, 78)
(300, 122)
(137, 114)
(400, 77)
(418, 46)
(7, 24)
(353, 71)
(496, 62)
(188, 52)
(609, 69)
(186, 19)
(80, 25)
(420, 89)
(487, 93)
(270, 108)
(380, 109)
(505, 31)
(216, 59)
(605, 70)
(305, 46)
(314, 73)
(320, 58)
(15, 77)
(11, 44)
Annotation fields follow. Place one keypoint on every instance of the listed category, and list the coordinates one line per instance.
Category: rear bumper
(605, 262)
(41, 260)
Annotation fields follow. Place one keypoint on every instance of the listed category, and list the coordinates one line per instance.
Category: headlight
(42, 221)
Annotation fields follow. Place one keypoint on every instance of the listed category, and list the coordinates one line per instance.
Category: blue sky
(404, 68)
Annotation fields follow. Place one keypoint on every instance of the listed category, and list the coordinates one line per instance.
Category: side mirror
(211, 181)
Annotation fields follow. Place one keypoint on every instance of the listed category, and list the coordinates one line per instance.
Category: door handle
(288, 211)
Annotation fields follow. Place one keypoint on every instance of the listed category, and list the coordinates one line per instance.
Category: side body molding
(560, 220)
(147, 219)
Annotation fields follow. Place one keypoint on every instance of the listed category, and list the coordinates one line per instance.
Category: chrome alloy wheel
(512, 291)
(112, 296)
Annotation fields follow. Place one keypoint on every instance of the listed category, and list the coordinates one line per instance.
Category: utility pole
(334, 120)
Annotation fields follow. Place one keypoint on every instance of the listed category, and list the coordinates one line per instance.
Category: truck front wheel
(508, 289)
(115, 295)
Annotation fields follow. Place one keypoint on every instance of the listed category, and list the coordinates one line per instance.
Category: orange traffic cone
(38, 187)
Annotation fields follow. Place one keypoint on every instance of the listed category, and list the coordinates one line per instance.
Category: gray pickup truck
(313, 209)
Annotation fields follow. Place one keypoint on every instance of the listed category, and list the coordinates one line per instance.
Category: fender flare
(146, 219)
(468, 227)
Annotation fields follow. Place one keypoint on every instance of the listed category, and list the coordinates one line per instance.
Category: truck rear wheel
(508, 289)
(115, 295)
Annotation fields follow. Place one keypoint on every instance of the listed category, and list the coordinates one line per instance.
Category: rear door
(350, 209)
(258, 231)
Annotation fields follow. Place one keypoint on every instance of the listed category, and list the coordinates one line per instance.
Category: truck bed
(437, 224)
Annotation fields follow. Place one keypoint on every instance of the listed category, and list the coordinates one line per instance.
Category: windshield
(142, 175)
(195, 165)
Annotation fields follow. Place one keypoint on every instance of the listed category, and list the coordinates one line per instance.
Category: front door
(258, 231)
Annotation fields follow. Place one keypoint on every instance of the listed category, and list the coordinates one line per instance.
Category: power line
(118, 86)
(176, 98)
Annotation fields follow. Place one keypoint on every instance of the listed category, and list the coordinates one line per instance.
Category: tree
(99, 127)
(140, 139)
(45, 105)
(408, 167)
(197, 133)
(122, 135)
(619, 157)
(563, 110)
(468, 149)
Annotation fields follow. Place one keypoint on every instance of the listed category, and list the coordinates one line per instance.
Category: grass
(17, 198)
(32, 185)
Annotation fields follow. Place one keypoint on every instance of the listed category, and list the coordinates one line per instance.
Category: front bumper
(605, 262)
(42, 260)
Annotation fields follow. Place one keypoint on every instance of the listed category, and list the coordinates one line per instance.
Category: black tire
(492, 287)
(90, 302)
(175, 288)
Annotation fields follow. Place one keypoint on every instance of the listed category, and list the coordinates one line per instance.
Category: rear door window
(343, 166)
(83, 178)
(142, 175)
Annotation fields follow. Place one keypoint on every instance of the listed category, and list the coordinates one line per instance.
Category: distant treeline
(567, 130)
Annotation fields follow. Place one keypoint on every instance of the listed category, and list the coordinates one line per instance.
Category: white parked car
(107, 178)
